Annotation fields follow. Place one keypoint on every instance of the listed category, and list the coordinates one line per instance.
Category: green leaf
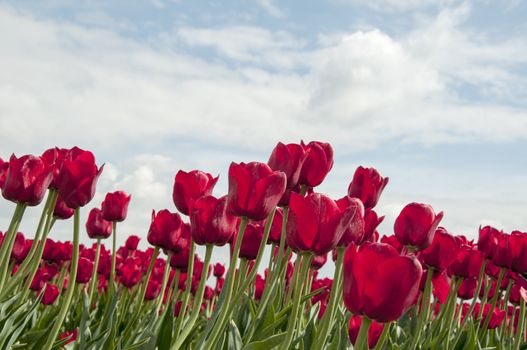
(234, 339)
(164, 337)
(266, 344)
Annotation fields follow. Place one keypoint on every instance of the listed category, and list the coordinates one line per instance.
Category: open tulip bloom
(418, 287)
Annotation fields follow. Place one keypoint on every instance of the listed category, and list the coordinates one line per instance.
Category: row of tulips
(418, 288)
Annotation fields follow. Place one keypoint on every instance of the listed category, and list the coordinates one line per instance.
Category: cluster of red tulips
(419, 288)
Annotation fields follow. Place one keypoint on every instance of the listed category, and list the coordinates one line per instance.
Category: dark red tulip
(316, 223)
(130, 272)
(132, 242)
(254, 189)
(519, 251)
(52, 251)
(487, 240)
(190, 186)
(319, 261)
(416, 224)
(21, 247)
(276, 227)
(374, 332)
(378, 282)
(3, 172)
(96, 226)
(84, 270)
(115, 206)
(180, 257)
(367, 185)
(27, 180)
(317, 163)
(442, 252)
(152, 289)
(54, 158)
(467, 289)
(51, 293)
(219, 270)
(441, 286)
(497, 315)
(62, 211)
(502, 254)
(288, 159)
(467, 263)
(371, 222)
(68, 336)
(259, 286)
(354, 233)
(392, 240)
(211, 222)
(208, 293)
(165, 230)
(251, 241)
(78, 178)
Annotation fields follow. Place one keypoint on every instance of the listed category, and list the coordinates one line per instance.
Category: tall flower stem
(425, 306)
(164, 284)
(493, 302)
(9, 240)
(186, 294)
(93, 280)
(111, 280)
(362, 338)
(520, 333)
(71, 285)
(384, 334)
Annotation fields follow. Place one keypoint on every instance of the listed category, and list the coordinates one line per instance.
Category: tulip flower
(374, 332)
(378, 282)
(442, 252)
(188, 187)
(371, 222)
(254, 189)
(132, 242)
(487, 240)
(288, 159)
(54, 158)
(219, 270)
(61, 210)
(130, 273)
(502, 254)
(519, 251)
(367, 185)
(115, 206)
(354, 233)
(211, 222)
(467, 263)
(416, 224)
(27, 180)
(96, 226)
(319, 261)
(165, 230)
(84, 271)
(3, 172)
(276, 227)
(153, 289)
(51, 293)
(316, 223)
(392, 240)
(180, 258)
(317, 163)
(251, 241)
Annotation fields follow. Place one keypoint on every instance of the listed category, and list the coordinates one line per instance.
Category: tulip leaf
(164, 337)
(266, 344)
(234, 339)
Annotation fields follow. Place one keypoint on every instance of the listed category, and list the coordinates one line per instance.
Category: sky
(432, 93)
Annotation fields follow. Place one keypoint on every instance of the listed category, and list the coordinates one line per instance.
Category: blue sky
(432, 93)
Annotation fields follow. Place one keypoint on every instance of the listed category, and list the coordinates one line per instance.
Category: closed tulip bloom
(519, 251)
(96, 226)
(27, 180)
(132, 242)
(467, 263)
(78, 178)
(251, 241)
(496, 318)
(378, 282)
(316, 223)
(165, 229)
(319, 261)
(3, 172)
(276, 227)
(317, 163)
(51, 293)
(219, 270)
(487, 240)
(115, 206)
(211, 222)
(371, 222)
(502, 254)
(416, 224)
(84, 271)
(21, 247)
(61, 210)
(254, 189)
(180, 257)
(374, 332)
(354, 233)
(54, 158)
(130, 272)
(367, 185)
(442, 252)
(152, 289)
(392, 240)
(190, 186)
(288, 159)
(467, 289)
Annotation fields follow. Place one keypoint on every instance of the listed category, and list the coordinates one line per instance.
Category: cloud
(271, 8)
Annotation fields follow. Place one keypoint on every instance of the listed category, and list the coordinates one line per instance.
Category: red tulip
(54, 158)
(115, 206)
(316, 223)
(69, 335)
(276, 227)
(367, 185)
(259, 286)
(374, 332)
(288, 159)
(467, 289)
(467, 263)
(416, 224)
(180, 257)
(251, 241)
(78, 178)
(487, 240)
(254, 189)
(96, 226)
(319, 261)
(317, 163)
(152, 289)
(502, 254)
(219, 270)
(130, 272)
(84, 270)
(354, 233)
(132, 242)
(497, 315)
(441, 285)
(378, 282)
(519, 251)
(190, 186)
(21, 247)
(62, 211)
(27, 180)
(165, 230)
(371, 222)
(51, 293)
(392, 240)
(3, 172)
(442, 252)
(210, 222)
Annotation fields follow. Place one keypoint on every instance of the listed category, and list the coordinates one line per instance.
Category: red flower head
(487, 240)
(51, 293)
(276, 227)
(251, 241)
(179, 259)
(210, 222)
(190, 186)
(115, 206)
(259, 286)
(392, 240)
(467, 289)
(316, 223)
(165, 230)
(319, 261)
(152, 289)
(317, 164)
(502, 254)
(3, 172)
(54, 158)
(519, 251)
(374, 332)
(497, 315)
(84, 271)
(378, 282)
(467, 263)
(354, 233)
(27, 180)
(219, 270)
(132, 242)
(78, 178)
(367, 185)
(62, 211)
(416, 224)
(442, 252)
(254, 189)
(288, 159)
(130, 272)
(96, 226)
(21, 247)
(371, 222)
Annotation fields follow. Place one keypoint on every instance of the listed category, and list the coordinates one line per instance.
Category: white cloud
(271, 8)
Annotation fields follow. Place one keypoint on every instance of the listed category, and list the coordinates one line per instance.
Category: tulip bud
(210, 222)
(367, 185)
(165, 230)
(317, 163)
(51, 293)
(188, 187)
(115, 206)
(416, 224)
(96, 226)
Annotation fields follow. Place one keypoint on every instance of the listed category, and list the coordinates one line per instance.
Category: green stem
(505, 303)
(93, 280)
(520, 333)
(362, 338)
(111, 280)
(186, 294)
(71, 285)
(164, 285)
(425, 307)
(493, 301)
(384, 334)
(9, 241)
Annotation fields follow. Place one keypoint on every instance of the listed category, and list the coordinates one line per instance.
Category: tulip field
(418, 286)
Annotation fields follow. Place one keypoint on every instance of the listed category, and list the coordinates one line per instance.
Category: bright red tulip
(378, 282)
(288, 159)
(51, 293)
(78, 178)
(354, 233)
(130, 272)
(374, 332)
(467, 263)
(165, 229)
(502, 254)
(21, 247)
(96, 226)
(219, 270)
(416, 224)
(276, 227)
(316, 223)
(317, 163)
(519, 251)
(487, 240)
(251, 241)
(442, 252)
(54, 158)
(180, 258)
(27, 180)
(3, 172)
(467, 289)
(211, 222)
(132, 242)
(152, 289)
(392, 240)
(367, 185)
(115, 206)
(371, 222)
(190, 186)
(254, 189)
(62, 211)
(84, 270)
